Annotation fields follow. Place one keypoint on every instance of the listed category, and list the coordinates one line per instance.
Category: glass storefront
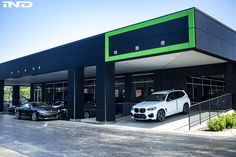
(203, 88)
(119, 93)
(89, 90)
(142, 86)
(8, 90)
(37, 92)
(120, 89)
(55, 92)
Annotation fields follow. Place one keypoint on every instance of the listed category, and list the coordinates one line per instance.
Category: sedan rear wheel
(18, 116)
(34, 116)
(161, 115)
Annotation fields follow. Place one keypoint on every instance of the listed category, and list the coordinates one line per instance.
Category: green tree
(24, 92)
(7, 93)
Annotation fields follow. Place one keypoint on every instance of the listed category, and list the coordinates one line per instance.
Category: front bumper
(53, 115)
(147, 115)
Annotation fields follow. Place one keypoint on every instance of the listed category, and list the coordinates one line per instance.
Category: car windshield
(57, 103)
(156, 97)
(39, 104)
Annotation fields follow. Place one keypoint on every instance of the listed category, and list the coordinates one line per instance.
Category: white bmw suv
(161, 104)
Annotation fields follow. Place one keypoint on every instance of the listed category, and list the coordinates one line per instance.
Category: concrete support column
(16, 95)
(31, 92)
(43, 92)
(1, 95)
(230, 77)
(76, 93)
(157, 78)
(128, 83)
(105, 92)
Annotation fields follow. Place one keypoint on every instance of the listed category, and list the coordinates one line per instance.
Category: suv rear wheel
(186, 108)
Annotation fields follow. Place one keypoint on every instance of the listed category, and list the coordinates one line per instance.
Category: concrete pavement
(4, 152)
(63, 138)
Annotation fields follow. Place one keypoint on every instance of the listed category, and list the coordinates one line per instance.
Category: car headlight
(151, 109)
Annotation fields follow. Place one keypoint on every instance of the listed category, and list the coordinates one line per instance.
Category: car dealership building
(186, 50)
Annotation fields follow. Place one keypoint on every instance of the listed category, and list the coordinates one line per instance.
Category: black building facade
(185, 50)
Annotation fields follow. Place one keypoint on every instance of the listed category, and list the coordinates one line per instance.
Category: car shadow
(173, 122)
(40, 120)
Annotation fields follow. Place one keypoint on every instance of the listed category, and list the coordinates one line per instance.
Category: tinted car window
(181, 94)
(57, 103)
(39, 104)
(178, 94)
(171, 97)
(156, 97)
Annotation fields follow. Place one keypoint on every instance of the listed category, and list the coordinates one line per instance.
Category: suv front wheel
(161, 115)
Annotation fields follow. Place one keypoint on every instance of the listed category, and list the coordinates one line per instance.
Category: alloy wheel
(160, 115)
(186, 109)
(34, 116)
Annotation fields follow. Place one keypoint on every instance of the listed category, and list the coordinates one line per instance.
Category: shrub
(234, 118)
(229, 121)
(217, 124)
(222, 122)
(234, 114)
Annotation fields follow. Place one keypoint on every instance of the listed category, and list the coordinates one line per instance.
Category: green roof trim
(190, 44)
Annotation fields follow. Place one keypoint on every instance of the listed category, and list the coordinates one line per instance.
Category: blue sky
(50, 23)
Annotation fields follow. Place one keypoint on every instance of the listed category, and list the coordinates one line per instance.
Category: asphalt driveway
(63, 138)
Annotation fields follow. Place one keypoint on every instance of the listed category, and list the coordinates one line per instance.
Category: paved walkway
(72, 139)
(10, 153)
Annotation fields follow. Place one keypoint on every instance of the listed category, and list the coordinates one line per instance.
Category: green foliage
(229, 121)
(217, 124)
(24, 92)
(7, 93)
(222, 122)
(234, 114)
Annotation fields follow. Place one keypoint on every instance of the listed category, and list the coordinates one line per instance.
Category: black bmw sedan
(36, 111)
